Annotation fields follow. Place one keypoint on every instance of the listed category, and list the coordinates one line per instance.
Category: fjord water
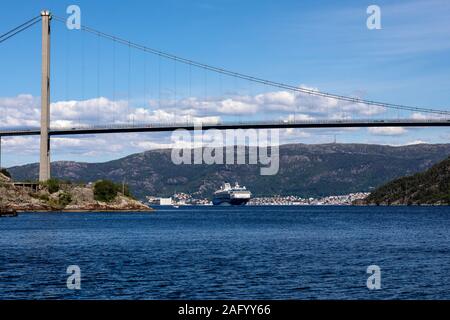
(229, 253)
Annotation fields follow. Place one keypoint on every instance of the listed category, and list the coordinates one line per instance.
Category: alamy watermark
(73, 22)
(373, 22)
(227, 147)
(374, 280)
(74, 279)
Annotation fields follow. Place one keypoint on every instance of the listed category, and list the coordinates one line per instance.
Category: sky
(321, 45)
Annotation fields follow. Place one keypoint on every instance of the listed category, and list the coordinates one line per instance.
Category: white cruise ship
(228, 195)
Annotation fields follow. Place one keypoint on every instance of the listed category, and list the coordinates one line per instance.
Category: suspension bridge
(429, 117)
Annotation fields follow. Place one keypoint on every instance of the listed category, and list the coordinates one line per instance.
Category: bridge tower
(44, 163)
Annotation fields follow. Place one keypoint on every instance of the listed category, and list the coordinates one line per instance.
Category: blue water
(229, 253)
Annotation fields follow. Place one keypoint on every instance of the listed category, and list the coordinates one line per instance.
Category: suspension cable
(11, 33)
(280, 85)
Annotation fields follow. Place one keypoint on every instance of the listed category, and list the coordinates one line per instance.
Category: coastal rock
(68, 198)
(4, 178)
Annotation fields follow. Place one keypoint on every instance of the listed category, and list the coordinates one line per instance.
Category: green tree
(105, 190)
(52, 185)
(64, 199)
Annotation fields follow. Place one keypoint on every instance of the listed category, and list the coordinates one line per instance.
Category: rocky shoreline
(68, 198)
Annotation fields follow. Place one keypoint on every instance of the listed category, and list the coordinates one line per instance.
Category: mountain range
(304, 170)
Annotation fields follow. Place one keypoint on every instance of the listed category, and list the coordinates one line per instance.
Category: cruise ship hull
(229, 202)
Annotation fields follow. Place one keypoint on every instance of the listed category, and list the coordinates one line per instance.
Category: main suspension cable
(280, 85)
(11, 33)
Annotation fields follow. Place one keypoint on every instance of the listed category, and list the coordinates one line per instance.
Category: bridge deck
(159, 127)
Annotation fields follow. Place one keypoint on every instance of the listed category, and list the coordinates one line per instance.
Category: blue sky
(317, 44)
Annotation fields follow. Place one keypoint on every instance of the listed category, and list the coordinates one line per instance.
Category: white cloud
(416, 142)
(276, 98)
(300, 117)
(280, 102)
(418, 116)
(24, 110)
(20, 145)
(423, 116)
(230, 106)
(149, 145)
(387, 131)
(89, 111)
(142, 115)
